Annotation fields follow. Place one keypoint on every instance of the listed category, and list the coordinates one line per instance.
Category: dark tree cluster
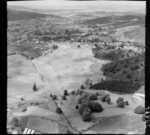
(87, 107)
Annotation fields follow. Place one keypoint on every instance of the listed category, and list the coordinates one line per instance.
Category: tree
(77, 107)
(86, 116)
(34, 87)
(139, 110)
(63, 97)
(121, 104)
(82, 87)
(104, 97)
(58, 110)
(127, 103)
(97, 94)
(65, 92)
(95, 107)
(54, 97)
(93, 97)
(108, 99)
(120, 99)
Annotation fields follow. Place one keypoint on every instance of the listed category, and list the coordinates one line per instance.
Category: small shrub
(58, 110)
(63, 97)
(34, 87)
(86, 116)
(54, 97)
(65, 92)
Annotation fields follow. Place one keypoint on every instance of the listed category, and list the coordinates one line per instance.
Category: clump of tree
(58, 110)
(34, 87)
(86, 116)
(139, 110)
(121, 103)
(120, 99)
(54, 97)
(104, 97)
(92, 106)
(117, 86)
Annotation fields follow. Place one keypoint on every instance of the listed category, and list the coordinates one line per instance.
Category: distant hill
(114, 19)
(14, 15)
